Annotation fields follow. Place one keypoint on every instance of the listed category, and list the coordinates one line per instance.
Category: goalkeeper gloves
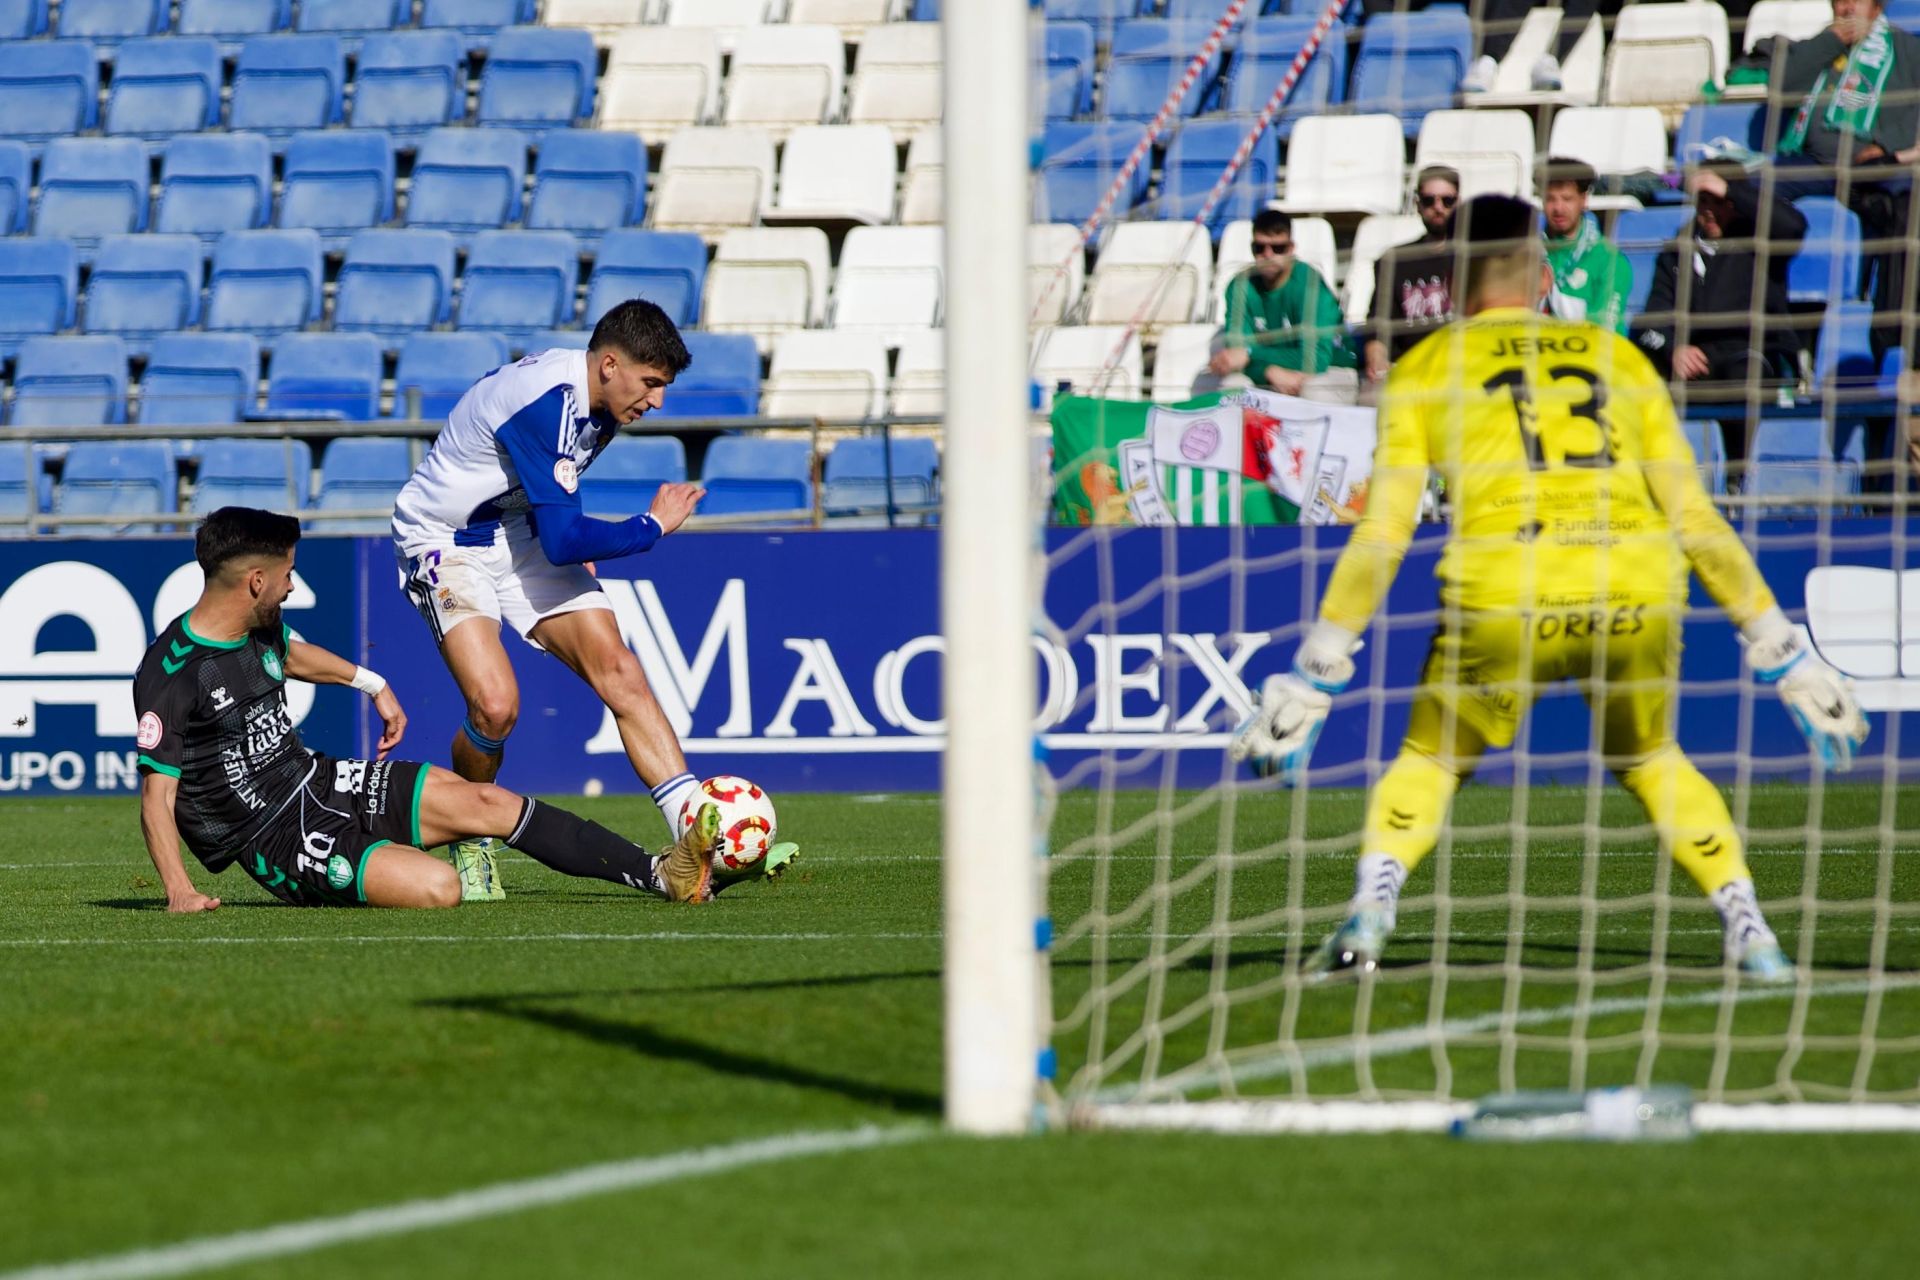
(1819, 698)
(1278, 737)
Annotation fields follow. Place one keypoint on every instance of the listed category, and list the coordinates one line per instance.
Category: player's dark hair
(644, 334)
(1499, 237)
(238, 533)
(1578, 172)
(1272, 222)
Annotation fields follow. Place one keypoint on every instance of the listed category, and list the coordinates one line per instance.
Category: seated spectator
(1591, 278)
(1414, 289)
(1722, 335)
(1283, 324)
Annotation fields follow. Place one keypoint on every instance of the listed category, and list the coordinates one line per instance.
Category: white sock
(1377, 881)
(672, 796)
(1740, 916)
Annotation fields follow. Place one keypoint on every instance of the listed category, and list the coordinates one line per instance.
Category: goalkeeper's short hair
(1499, 239)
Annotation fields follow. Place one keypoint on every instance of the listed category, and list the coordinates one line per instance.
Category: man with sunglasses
(1283, 325)
(1414, 293)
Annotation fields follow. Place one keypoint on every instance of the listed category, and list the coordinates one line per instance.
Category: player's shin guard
(570, 844)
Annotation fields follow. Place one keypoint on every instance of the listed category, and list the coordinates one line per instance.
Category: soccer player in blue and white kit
(490, 529)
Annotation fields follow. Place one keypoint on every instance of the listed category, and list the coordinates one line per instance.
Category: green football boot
(479, 876)
(772, 867)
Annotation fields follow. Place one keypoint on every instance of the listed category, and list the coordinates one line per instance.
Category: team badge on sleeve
(150, 732)
(566, 474)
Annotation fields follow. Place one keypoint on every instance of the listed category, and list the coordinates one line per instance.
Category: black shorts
(314, 853)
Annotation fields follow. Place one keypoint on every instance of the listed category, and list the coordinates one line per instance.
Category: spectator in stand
(1591, 278)
(1414, 290)
(1283, 325)
(1712, 327)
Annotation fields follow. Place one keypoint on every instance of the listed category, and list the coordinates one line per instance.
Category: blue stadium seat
(744, 474)
(214, 183)
(1411, 63)
(476, 20)
(48, 90)
(1709, 452)
(1081, 163)
(19, 482)
(364, 473)
(20, 19)
(1845, 351)
(1070, 66)
(407, 82)
(337, 182)
(163, 86)
(144, 286)
(70, 382)
(1147, 60)
(1827, 268)
(91, 187)
(1640, 234)
(1261, 61)
(107, 22)
(352, 19)
(1791, 460)
(623, 479)
(394, 282)
(265, 282)
(722, 382)
(589, 183)
(273, 475)
(282, 84)
(16, 183)
(519, 281)
(668, 268)
(232, 21)
(441, 366)
(557, 339)
(1207, 12)
(538, 78)
(325, 375)
(467, 180)
(39, 288)
(119, 477)
(1740, 122)
(857, 472)
(1102, 17)
(1199, 156)
(199, 379)
(926, 10)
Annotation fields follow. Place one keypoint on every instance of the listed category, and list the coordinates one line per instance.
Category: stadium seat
(896, 78)
(1082, 160)
(857, 475)
(824, 373)
(48, 90)
(1346, 164)
(623, 479)
(1195, 161)
(105, 23)
(923, 192)
(589, 183)
(1794, 19)
(1056, 271)
(729, 19)
(441, 367)
(163, 86)
(272, 475)
(363, 473)
(1492, 149)
(196, 379)
(1844, 356)
(1709, 452)
(1262, 58)
(660, 79)
(393, 282)
(832, 175)
(337, 182)
(477, 21)
(764, 281)
(605, 20)
(89, 188)
(1640, 234)
(1147, 60)
(519, 281)
(1371, 239)
(407, 82)
(282, 84)
(1079, 356)
(1611, 139)
(70, 382)
(19, 483)
(713, 178)
(920, 375)
(559, 339)
(16, 184)
(265, 282)
(325, 375)
(215, 183)
(538, 79)
(121, 477)
(1070, 70)
(22, 19)
(1151, 274)
(1179, 359)
(1827, 266)
(854, 19)
(1096, 10)
(1661, 54)
(1791, 462)
(891, 282)
(1411, 63)
(668, 268)
(782, 76)
(39, 288)
(144, 286)
(722, 382)
(352, 19)
(232, 21)
(467, 180)
(1707, 122)
(745, 474)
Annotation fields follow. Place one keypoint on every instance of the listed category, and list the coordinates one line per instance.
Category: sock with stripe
(672, 796)
(1377, 881)
(570, 844)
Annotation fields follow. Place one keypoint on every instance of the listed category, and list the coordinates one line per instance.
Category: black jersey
(213, 713)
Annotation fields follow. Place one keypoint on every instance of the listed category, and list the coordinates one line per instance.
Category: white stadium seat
(1153, 274)
(853, 18)
(660, 79)
(920, 374)
(1079, 355)
(783, 76)
(1346, 164)
(1373, 237)
(822, 373)
(732, 18)
(923, 194)
(1313, 244)
(896, 79)
(605, 18)
(835, 174)
(1052, 246)
(766, 280)
(1181, 357)
(1492, 149)
(1662, 53)
(892, 281)
(713, 178)
(1612, 139)
(1794, 19)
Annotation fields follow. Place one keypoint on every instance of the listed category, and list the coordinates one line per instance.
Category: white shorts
(511, 582)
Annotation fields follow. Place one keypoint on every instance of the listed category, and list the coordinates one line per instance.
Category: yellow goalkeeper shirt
(1571, 483)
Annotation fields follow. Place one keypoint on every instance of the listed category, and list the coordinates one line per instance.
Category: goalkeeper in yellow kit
(1577, 513)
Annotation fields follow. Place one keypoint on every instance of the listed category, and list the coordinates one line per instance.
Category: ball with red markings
(746, 821)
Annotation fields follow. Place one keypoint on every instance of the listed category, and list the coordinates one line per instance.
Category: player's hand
(1870, 154)
(1279, 736)
(191, 902)
(1706, 182)
(1376, 361)
(1228, 360)
(673, 504)
(1288, 382)
(1690, 362)
(393, 721)
(1820, 699)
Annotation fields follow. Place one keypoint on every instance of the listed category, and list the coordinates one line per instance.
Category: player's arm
(164, 705)
(157, 793)
(311, 663)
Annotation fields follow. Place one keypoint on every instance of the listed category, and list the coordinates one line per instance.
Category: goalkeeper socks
(1740, 916)
(1407, 808)
(1377, 881)
(574, 846)
(672, 796)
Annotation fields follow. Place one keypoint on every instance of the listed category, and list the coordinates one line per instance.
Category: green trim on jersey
(419, 788)
(360, 871)
(200, 639)
(286, 640)
(156, 766)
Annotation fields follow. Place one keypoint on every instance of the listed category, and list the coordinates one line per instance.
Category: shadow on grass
(160, 904)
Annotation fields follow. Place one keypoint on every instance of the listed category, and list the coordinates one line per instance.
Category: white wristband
(366, 681)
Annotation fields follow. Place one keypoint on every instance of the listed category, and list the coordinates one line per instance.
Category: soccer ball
(746, 821)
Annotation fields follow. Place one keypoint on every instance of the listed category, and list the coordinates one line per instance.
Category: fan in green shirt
(1591, 279)
(1283, 322)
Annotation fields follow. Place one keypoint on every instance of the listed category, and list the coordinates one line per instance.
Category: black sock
(569, 843)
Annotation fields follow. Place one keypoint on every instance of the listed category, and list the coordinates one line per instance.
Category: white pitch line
(209, 1252)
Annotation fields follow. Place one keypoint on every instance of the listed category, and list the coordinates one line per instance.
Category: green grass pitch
(172, 1079)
